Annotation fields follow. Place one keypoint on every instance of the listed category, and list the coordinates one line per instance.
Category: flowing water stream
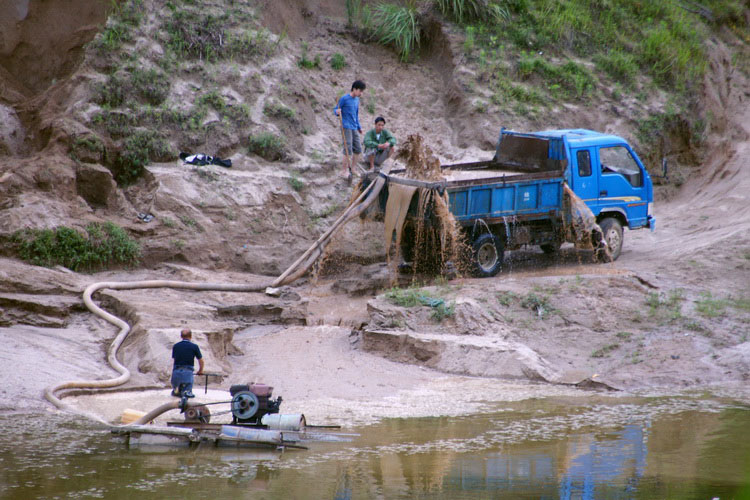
(584, 448)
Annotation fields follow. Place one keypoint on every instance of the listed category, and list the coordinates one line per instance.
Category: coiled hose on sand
(294, 272)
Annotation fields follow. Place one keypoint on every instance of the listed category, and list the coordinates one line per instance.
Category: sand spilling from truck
(433, 240)
(582, 226)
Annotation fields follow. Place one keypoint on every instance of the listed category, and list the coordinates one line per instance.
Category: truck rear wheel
(613, 235)
(488, 255)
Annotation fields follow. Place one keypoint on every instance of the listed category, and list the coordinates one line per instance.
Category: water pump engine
(251, 402)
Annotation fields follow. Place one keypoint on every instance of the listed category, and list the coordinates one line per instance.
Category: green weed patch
(103, 246)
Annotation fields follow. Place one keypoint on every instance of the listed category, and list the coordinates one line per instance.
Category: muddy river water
(591, 447)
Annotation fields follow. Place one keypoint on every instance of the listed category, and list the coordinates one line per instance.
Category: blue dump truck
(538, 187)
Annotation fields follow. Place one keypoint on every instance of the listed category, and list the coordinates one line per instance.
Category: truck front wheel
(613, 235)
(488, 255)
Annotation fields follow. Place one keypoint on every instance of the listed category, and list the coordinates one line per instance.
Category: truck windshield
(618, 160)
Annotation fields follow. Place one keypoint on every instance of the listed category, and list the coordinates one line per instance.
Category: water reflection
(585, 449)
(575, 469)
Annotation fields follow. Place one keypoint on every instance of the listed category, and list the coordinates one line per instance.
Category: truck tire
(613, 235)
(487, 255)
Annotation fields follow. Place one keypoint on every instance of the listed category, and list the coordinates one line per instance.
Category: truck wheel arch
(614, 213)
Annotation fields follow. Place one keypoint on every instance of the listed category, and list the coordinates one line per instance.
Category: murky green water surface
(552, 448)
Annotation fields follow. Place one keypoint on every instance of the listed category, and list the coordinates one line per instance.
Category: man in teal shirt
(379, 144)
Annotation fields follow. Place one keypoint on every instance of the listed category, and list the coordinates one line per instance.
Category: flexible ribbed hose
(294, 272)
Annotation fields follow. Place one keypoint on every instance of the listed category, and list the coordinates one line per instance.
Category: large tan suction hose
(294, 272)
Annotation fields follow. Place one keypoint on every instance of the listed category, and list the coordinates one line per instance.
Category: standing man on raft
(348, 109)
(184, 353)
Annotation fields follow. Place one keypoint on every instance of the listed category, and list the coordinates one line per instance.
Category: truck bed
(492, 192)
(494, 198)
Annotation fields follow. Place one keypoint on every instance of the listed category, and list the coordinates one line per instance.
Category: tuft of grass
(305, 62)
(506, 298)
(404, 297)
(249, 44)
(537, 302)
(569, 80)
(442, 311)
(709, 306)
(103, 245)
(624, 335)
(742, 303)
(398, 26)
(295, 182)
(463, 11)
(276, 109)
(268, 146)
(470, 40)
(414, 297)
(338, 62)
(665, 307)
(353, 12)
(602, 352)
(123, 17)
(621, 66)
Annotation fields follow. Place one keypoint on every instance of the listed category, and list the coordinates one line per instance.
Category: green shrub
(87, 148)
(111, 93)
(194, 35)
(151, 85)
(268, 146)
(338, 62)
(397, 26)
(211, 99)
(115, 123)
(102, 246)
(138, 150)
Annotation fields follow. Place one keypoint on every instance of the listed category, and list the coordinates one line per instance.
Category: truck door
(621, 184)
(585, 180)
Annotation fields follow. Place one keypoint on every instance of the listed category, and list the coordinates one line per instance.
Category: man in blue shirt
(184, 353)
(348, 109)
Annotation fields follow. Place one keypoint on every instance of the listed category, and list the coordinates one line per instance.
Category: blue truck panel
(531, 198)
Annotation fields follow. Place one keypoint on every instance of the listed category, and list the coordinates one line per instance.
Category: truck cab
(607, 174)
